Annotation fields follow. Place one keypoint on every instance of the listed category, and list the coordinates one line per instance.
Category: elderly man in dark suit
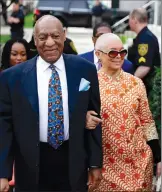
(43, 107)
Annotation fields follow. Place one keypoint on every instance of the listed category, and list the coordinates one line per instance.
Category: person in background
(69, 47)
(15, 51)
(130, 140)
(97, 11)
(4, 10)
(16, 21)
(33, 49)
(144, 54)
(98, 30)
(43, 117)
(21, 5)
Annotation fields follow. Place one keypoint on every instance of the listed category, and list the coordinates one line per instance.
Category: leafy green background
(155, 99)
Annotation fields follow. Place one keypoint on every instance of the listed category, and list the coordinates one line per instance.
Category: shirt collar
(95, 57)
(43, 65)
(139, 34)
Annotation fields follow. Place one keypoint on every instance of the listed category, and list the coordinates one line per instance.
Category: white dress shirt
(43, 76)
(95, 60)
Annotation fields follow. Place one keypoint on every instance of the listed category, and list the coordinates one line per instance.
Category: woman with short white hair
(130, 139)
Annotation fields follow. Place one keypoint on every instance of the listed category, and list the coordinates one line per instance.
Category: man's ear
(135, 20)
(94, 40)
(65, 32)
(35, 42)
(97, 53)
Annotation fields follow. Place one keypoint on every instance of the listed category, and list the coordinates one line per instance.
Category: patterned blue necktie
(55, 110)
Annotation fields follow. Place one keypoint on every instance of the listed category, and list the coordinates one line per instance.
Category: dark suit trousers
(54, 174)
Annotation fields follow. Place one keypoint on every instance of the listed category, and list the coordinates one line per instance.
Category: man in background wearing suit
(98, 30)
(43, 107)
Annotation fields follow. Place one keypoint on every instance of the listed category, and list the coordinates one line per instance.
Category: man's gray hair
(140, 14)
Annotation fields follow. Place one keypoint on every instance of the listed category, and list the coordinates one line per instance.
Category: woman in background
(14, 52)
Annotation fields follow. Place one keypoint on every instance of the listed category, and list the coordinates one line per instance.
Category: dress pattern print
(127, 126)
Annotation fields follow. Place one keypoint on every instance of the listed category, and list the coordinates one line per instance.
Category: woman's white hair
(104, 40)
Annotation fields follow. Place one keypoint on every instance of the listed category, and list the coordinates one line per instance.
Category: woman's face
(112, 54)
(18, 54)
(110, 62)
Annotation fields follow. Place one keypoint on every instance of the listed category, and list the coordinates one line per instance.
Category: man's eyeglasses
(114, 53)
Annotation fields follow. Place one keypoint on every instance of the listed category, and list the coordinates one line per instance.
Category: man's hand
(94, 177)
(142, 71)
(10, 20)
(4, 185)
(16, 20)
(91, 120)
(158, 169)
(13, 20)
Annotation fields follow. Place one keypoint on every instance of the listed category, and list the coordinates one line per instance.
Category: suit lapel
(73, 81)
(29, 82)
(91, 56)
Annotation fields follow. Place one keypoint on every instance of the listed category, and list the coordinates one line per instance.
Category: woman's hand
(91, 120)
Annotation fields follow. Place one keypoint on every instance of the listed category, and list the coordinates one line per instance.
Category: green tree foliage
(155, 99)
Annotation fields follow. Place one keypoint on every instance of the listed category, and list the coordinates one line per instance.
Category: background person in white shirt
(43, 109)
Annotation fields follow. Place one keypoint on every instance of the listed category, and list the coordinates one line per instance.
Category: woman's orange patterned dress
(127, 125)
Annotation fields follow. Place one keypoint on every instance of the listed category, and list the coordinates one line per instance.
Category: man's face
(15, 7)
(97, 2)
(100, 31)
(49, 39)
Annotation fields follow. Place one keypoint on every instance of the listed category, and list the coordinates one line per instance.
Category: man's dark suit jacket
(19, 122)
(127, 65)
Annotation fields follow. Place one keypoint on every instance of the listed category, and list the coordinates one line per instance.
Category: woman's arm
(148, 123)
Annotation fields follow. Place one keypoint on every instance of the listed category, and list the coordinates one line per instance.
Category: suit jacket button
(36, 165)
(37, 144)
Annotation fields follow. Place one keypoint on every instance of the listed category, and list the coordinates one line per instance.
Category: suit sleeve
(128, 66)
(6, 132)
(94, 137)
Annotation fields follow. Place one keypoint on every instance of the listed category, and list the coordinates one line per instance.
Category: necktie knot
(52, 67)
